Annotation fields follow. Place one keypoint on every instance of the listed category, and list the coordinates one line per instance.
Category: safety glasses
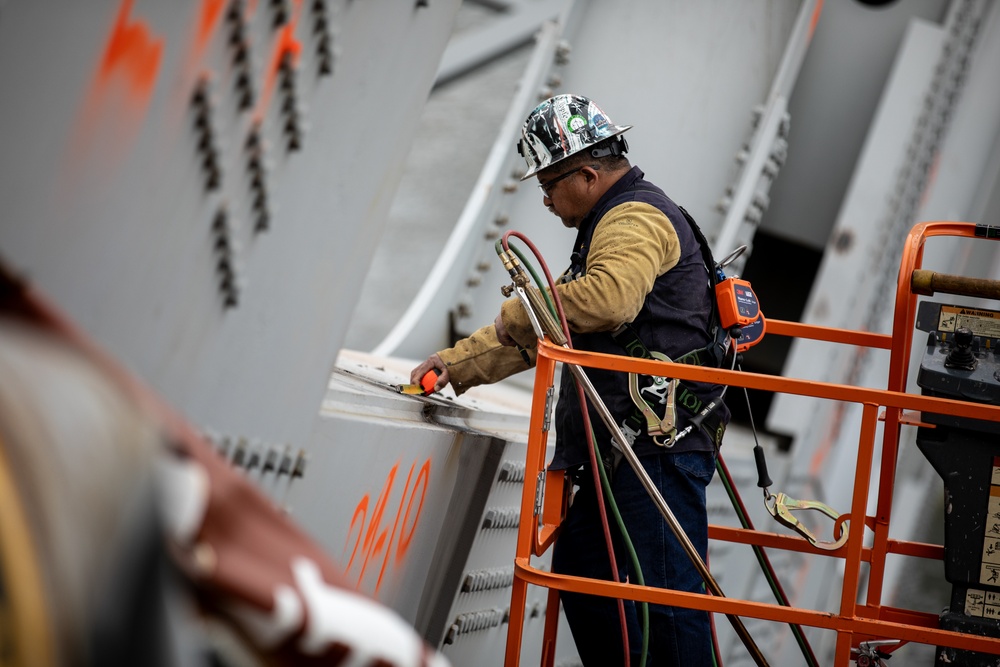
(548, 186)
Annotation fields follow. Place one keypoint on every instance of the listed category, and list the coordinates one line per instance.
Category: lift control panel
(962, 358)
(960, 362)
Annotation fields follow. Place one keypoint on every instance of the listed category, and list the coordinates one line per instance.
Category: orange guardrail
(859, 617)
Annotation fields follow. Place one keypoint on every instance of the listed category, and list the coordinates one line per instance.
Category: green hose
(762, 560)
(605, 484)
(633, 557)
(534, 277)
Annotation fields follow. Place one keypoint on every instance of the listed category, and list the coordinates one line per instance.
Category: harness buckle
(663, 431)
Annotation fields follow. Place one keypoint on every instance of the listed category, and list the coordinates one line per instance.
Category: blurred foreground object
(95, 471)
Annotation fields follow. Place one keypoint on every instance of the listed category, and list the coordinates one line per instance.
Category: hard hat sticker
(562, 126)
(597, 118)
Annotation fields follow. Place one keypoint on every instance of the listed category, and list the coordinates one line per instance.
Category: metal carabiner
(781, 507)
(666, 389)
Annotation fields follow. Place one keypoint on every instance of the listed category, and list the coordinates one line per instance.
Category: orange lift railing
(860, 618)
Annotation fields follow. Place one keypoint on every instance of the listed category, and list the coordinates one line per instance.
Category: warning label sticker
(990, 574)
(985, 323)
(990, 571)
(991, 551)
(982, 603)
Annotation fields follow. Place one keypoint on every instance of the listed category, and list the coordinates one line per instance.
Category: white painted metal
(653, 77)
(832, 107)
(517, 25)
(106, 207)
(423, 328)
(767, 149)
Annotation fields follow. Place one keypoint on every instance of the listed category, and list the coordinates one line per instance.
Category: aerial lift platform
(867, 629)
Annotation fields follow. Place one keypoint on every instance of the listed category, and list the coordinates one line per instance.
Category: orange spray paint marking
(286, 46)
(204, 27)
(211, 10)
(372, 539)
(404, 537)
(120, 91)
(133, 51)
(362, 510)
(395, 524)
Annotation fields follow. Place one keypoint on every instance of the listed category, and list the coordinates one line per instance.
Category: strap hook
(781, 507)
(663, 430)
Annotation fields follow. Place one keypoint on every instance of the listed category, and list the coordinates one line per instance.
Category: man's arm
(633, 244)
(478, 359)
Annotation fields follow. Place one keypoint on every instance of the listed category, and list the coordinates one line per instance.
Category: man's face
(564, 194)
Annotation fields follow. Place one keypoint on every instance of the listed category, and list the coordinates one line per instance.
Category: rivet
(254, 460)
(235, 11)
(253, 138)
(257, 181)
(326, 65)
(260, 201)
(300, 465)
(271, 460)
(240, 453)
(263, 222)
(323, 47)
(280, 13)
(286, 464)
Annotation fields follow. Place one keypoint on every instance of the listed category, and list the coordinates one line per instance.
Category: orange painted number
(375, 532)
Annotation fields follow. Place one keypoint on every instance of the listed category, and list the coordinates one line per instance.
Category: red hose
(590, 435)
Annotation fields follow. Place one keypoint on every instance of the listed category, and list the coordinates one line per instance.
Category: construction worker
(637, 278)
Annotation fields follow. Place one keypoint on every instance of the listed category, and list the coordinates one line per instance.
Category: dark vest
(674, 320)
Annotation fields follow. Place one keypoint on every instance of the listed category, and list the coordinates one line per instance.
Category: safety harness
(673, 394)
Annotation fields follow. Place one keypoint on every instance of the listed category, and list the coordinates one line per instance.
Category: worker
(637, 274)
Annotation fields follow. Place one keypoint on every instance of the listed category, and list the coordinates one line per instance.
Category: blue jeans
(677, 636)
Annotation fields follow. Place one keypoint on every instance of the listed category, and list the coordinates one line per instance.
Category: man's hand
(433, 361)
(502, 336)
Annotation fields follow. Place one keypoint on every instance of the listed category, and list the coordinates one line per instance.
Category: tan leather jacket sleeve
(481, 359)
(633, 244)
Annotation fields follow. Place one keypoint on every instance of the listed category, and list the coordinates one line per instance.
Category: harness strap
(685, 399)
